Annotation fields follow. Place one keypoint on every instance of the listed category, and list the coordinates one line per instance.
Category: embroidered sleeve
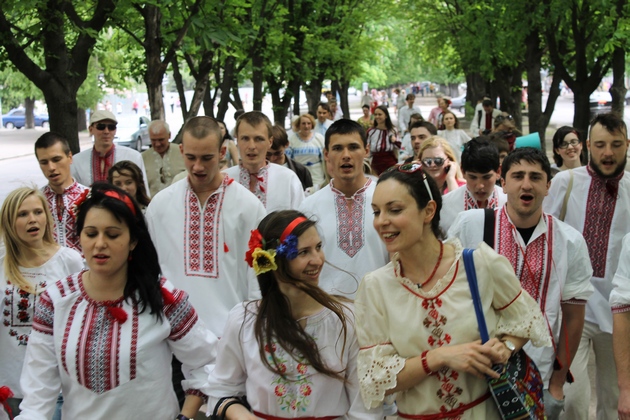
(180, 314)
(620, 295)
(44, 314)
(518, 313)
(378, 363)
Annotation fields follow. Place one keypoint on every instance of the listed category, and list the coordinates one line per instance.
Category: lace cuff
(529, 323)
(378, 369)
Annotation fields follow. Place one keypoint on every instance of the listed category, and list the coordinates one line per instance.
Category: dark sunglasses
(101, 126)
(274, 154)
(409, 168)
(430, 161)
(500, 118)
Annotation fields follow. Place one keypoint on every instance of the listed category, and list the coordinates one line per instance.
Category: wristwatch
(511, 347)
(181, 417)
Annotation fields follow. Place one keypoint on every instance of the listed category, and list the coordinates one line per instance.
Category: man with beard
(549, 257)
(595, 200)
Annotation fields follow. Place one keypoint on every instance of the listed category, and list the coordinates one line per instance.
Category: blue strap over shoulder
(469, 265)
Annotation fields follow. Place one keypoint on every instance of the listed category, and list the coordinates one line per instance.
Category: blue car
(16, 118)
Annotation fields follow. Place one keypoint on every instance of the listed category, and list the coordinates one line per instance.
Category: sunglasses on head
(430, 161)
(409, 168)
(500, 118)
(102, 126)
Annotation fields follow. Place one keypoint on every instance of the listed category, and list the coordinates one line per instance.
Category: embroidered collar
(541, 227)
(611, 184)
(360, 191)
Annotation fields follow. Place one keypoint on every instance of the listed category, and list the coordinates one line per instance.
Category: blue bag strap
(471, 274)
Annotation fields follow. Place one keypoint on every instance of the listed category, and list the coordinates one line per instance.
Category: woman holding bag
(416, 323)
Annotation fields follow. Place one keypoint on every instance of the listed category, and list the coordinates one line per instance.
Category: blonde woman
(306, 147)
(440, 162)
(33, 261)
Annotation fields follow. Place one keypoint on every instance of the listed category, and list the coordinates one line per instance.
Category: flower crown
(263, 260)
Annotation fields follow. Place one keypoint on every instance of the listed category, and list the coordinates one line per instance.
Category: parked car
(138, 139)
(459, 103)
(16, 118)
(599, 102)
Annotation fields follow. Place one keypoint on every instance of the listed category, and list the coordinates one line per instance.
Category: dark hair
(273, 322)
(414, 182)
(487, 102)
(426, 124)
(529, 155)
(136, 174)
(202, 127)
(344, 126)
(388, 120)
(498, 139)
(410, 96)
(558, 139)
(366, 106)
(480, 156)
(280, 138)
(49, 139)
(454, 116)
(227, 135)
(611, 121)
(325, 107)
(254, 118)
(143, 269)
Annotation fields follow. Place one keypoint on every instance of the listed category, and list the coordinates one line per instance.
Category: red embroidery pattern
(435, 322)
(600, 209)
(64, 229)
(95, 164)
(532, 268)
(261, 187)
(350, 235)
(201, 233)
(471, 203)
(17, 312)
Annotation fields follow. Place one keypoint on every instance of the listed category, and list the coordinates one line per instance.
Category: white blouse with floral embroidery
(397, 320)
(305, 392)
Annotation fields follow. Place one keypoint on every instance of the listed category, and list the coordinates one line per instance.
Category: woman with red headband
(292, 354)
(105, 336)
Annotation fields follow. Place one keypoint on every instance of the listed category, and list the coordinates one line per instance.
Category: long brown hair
(273, 321)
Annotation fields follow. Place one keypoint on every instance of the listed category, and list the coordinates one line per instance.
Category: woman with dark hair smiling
(106, 335)
(567, 149)
(293, 352)
(416, 322)
(383, 141)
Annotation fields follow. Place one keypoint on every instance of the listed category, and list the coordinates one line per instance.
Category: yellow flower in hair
(264, 261)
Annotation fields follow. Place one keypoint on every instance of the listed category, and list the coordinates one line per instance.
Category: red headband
(287, 230)
(125, 199)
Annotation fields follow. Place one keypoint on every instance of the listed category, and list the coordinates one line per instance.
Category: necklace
(437, 265)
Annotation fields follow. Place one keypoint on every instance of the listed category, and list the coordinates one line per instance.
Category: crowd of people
(316, 274)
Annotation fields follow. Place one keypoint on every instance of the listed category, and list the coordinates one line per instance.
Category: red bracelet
(425, 365)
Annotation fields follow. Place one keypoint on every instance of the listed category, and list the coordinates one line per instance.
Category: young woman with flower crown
(106, 335)
(291, 354)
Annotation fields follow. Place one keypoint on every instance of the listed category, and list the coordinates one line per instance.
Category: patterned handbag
(518, 393)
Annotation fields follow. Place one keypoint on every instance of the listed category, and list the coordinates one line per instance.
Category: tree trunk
(29, 108)
(343, 97)
(62, 111)
(313, 92)
(476, 89)
(179, 84)
(257, 79)
(509, 87)
(295, 86)
(155, 68)
(81, 120)
(533, 66)
(581, 111)
(618, 89)
(226, 87)
(237, 102)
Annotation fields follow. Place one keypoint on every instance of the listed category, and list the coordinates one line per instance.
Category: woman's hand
(474, 358)
(500, 349)
(451, 168)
